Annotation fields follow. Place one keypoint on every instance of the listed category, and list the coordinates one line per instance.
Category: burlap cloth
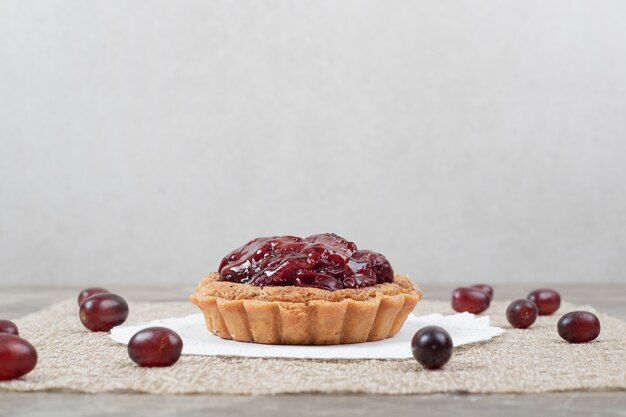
(535, 360)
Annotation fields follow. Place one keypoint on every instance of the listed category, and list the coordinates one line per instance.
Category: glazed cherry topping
(485, 288)
(547, 301)
(102, 312)
(155, 346)
(472, 300)
(8, 327)
(521, 313)
(579, 327)
(432, 347)
(86, 293)
(17, 357)
(325, 261)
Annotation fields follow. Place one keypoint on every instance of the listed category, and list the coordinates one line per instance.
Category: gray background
(468, 141)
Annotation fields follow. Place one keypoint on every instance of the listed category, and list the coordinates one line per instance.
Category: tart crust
(303, 315)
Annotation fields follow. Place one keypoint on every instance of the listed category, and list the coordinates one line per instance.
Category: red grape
(547, 301)
(579, 327)
(102, 312)
(8, 327)
(470, 299)
(485, 288)
(521, 313)
(155, 346)
(432, 347)
(17, 357)
(85, 294)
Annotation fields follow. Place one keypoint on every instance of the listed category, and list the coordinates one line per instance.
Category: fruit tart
(319, 290)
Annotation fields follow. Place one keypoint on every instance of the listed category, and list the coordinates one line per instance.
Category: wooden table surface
(16, 302)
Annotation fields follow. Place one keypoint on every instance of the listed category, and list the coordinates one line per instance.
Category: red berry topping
(325, 261)
(488, 289)
(547, 301)
(579, 327)
(470, 299)
(521, 313)
(432, 347)
(102, 312)
(85, 294)
(155, 346)
(8, 327)
(17, 357)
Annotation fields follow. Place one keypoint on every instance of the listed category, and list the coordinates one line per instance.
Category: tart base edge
(317, 322)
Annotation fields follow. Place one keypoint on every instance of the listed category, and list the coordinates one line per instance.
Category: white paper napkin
(464, 328)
